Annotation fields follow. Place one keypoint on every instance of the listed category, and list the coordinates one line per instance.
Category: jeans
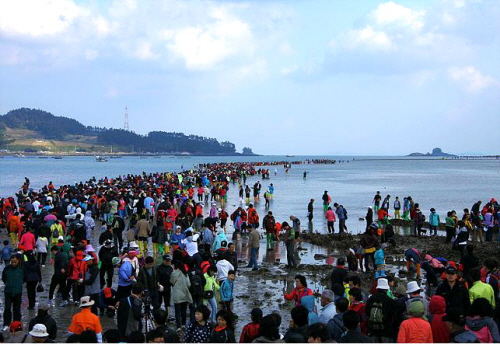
(180, 314)
(12, 301)
(253, 258)
(213, 306)
(433, 230)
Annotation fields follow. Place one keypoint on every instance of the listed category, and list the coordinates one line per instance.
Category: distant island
(40, 132)
(435, 152)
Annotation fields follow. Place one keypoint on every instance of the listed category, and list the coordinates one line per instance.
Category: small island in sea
(435, 152)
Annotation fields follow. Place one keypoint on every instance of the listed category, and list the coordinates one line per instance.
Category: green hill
(32, 130)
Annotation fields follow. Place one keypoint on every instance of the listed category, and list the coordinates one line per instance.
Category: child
(251, 330)
(6, 252)
(380, 261)
(226, 291)
(42, 245)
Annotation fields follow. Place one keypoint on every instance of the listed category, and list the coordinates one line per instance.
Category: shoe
(43, 266)
(63, 304)
(5, 328)
(51, 303)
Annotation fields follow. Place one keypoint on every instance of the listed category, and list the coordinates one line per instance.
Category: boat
(57, 157)
(290, 156)
(100, 158)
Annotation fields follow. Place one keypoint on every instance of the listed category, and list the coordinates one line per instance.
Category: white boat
(100, 158)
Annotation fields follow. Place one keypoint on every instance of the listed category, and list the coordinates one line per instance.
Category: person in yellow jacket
(480, 289)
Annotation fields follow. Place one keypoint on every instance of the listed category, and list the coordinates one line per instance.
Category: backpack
(376, 318)
(345, 213)
(56, 230)
(196, 287)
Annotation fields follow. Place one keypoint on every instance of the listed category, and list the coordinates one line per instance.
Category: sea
(443, 184)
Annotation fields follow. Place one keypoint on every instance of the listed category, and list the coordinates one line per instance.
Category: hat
(132, 254)
(382, 284)
(167, 257)
(115, 260)
(400, 290)
(16, 326)
(455, 316)
(87, 258)
(412, 287)
(107, 292)
(219, 210)
(39, 330)
(108, 242)
(416, 309)
(86, 302)
(44, 306)
(312, 199)
(133, 246)
(60, 238)
(189, 229)
(450, 270)
(89, 248)
(370, 207)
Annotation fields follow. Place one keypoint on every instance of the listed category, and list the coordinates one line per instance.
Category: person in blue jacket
(308, 302)
(226, 291)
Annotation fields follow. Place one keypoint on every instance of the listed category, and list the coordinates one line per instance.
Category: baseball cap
(107, 292)
(87, 258)
(167, 257)
(16, 326)
(450, 270)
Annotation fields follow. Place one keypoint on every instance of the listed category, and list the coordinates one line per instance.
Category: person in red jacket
(28, 241)
(299, 291)
(76, 271)
(437, 310)
(251, 330)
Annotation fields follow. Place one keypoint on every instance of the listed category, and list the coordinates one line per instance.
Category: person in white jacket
(42, 246)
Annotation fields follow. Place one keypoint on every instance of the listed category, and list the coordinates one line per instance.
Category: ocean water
(442, 184)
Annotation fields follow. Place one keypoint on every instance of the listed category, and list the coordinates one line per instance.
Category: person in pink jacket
(330, 219)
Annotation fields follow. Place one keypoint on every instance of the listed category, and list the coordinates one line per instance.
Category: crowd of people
(165, 269)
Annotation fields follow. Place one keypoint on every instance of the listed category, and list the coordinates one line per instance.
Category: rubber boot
(418, 270)
(377, 275)
(382, 273)
(269, 241)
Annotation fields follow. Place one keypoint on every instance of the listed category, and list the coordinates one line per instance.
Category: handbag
(208, 294)
(40, 288)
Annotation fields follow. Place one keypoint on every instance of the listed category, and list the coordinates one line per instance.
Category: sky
(315, 77)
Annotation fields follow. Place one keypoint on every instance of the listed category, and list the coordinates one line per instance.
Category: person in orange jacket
(299, 291)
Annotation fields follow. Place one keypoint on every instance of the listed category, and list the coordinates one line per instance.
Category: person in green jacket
(210, 288)
(480, 289)
(13, 276)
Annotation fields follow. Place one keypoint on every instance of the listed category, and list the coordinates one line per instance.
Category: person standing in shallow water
(310, 210)
(326, 200)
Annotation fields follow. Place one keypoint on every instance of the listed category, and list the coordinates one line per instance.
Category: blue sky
(283, 77)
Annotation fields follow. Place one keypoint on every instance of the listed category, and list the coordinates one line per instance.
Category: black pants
(372, 257)
(95, 298)
(123, 291)
(77, 289)
(180, 314)
(342, 225)
(118, 240)
(450, 233)
(58, 280)
(42, 257)
(330, 227)
(109, 280)
(12, 304)
(164, 297)
(290, 254)
(31, 288)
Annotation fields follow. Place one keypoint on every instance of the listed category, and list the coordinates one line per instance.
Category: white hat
(60, 238)
(382, 283)
(412, 287)
(39, 330)
(220, 209)
(86, 302)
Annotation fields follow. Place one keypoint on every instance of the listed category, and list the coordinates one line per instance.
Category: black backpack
(345, 213)
(197, 284)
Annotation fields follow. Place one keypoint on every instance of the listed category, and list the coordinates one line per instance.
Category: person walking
(290, 245)
(253, 245)
(181, 296)
(13, 277)
(33, 278)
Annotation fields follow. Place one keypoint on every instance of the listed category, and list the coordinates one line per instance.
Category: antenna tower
(125, 124)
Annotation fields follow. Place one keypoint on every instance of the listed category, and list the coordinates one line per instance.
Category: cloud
(390, 13)
(471, 79)
(204, 46)
(37, 18)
